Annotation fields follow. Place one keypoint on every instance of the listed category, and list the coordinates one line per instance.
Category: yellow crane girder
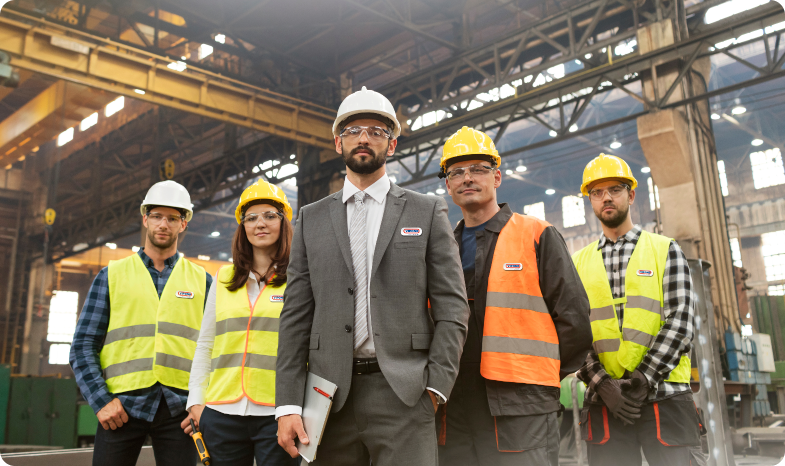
(79, 57)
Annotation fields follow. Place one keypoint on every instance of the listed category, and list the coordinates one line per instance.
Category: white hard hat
(168, 194)
(365, 101)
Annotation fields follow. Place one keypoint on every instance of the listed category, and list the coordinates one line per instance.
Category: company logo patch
(645, 273)
(513, 266)
(276, 298)
(185, 294)
(411, 231)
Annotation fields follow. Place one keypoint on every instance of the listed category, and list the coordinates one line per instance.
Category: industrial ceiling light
(738, 110)
(508, 171)
(552, 133)
(756, 142)
(139, 91)
(215, 234)
(615, 144)
(550, 191)
(645, 170)
(521, 167)
(573, 128)
(715, 116)
(111, 245)
(440, 191)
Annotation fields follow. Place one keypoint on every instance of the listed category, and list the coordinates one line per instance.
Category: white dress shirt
(200, 368)
(374, 211)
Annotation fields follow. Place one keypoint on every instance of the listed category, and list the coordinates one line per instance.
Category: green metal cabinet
(42, 411)
(86, 423)
(5, 391)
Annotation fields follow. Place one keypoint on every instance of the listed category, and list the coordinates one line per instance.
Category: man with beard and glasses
(640, 293)
(136, 338)
(529, 324)
(365, 262)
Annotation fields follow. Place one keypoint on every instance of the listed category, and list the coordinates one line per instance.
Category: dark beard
(374, 163)
(616, 219)
(159, 244)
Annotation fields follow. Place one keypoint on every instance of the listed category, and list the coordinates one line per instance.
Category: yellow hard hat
(606, 167)
(467, 142)
(262, 190)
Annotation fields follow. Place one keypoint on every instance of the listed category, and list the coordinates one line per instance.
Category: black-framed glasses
(457, 174)
(614, 191)
(375, 133)
(268, 218)
(156, 219)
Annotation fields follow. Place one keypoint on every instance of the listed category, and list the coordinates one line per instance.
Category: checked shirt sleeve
(675, 336)
(592, 373)
(88, 341)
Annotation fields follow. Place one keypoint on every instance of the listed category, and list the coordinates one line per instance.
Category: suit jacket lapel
(392, 213)
(338, 215)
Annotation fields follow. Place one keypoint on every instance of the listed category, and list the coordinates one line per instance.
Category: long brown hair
(242, 254)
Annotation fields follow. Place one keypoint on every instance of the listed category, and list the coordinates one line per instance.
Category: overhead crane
(40, 46)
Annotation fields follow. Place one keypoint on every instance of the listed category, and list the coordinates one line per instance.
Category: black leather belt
(365, 366)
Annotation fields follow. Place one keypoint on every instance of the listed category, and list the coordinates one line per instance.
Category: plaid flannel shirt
(675, 336)
(89, 339)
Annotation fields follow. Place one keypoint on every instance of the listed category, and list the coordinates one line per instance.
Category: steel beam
(574, 90)
(100, 63)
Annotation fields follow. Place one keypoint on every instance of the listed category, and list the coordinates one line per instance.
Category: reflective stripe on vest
(621, 350)
(246, 344)
(149, 339)
(519, 342)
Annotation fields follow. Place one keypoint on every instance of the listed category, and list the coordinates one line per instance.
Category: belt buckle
(361, 367)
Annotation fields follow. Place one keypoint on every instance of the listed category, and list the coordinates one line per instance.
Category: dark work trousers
(375, 425)
(237, 440)
(171, 446)
(668, 431)
(475, 438)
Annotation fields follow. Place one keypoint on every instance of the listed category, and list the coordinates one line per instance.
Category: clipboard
(316, 408)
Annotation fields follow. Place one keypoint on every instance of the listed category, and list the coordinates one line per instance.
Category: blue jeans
(237, 440)
(121, 447)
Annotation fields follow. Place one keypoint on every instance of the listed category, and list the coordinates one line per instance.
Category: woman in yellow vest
(232, 384)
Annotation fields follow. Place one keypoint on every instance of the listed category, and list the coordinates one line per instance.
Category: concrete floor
(83, 456)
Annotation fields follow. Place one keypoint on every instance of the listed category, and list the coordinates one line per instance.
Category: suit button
(348, 328)
(351, 291)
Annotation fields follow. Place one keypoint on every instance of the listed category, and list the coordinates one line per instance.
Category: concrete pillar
(321, 174)
(679, 147)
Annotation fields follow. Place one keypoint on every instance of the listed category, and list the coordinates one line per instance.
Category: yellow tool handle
(204, 456)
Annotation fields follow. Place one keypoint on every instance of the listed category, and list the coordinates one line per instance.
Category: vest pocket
(521, 433)
(314, 342)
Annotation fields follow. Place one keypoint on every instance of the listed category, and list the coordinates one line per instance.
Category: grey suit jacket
(415, 348)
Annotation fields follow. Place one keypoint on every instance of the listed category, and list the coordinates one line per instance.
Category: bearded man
(365, 263)
(136, 337)
(642, 318)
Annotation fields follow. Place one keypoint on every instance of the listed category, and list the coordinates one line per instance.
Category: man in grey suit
(365, 263)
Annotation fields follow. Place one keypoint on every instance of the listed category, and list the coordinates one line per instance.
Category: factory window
(62, 324)
(654, 194)
(723, 177)
(573, 211)
(88, 122)
(735, 252)
(535, 210)
(773, 251)
(65, 137)
(776, 290)
(767, 168)
(115, 106)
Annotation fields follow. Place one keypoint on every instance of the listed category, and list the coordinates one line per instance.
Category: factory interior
(100, 99)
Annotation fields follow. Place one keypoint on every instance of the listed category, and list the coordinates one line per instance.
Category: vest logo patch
(645, 273)
(185, 294)
(411, 231)
(276, 298)
(513, 266)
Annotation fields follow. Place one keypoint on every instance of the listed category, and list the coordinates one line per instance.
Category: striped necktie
(358, 240)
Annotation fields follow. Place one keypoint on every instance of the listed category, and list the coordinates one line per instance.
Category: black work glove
(622, 408)
(636, 388)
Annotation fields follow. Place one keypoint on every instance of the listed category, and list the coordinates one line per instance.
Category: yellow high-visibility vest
(149, 339)
(624, 349)
(246, 344)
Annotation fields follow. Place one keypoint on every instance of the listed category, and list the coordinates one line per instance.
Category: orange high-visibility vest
(519, 342)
